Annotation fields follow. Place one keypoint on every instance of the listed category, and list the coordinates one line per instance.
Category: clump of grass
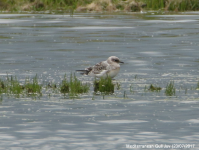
(154, 88)
(170, 89)
(3, 87)
(11, 86)
(155, 4)
(74, 87)
(97, 5)
(173, 5)
(104, 85)
(39, 5)
(32, 87)
(14, 86)
(64, 86)
(182, 5)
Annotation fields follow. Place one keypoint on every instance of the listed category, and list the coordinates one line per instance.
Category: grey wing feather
(99, 67)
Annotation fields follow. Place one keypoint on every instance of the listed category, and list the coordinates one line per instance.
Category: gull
(110, 67)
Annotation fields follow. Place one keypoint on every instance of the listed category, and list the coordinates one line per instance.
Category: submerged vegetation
(98, 5)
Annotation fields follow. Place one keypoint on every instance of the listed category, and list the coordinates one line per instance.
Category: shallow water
(156, 49)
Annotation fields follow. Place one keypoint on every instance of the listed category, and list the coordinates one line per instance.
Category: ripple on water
(54, 45)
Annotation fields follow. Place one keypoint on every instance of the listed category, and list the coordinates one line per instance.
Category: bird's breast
(113, 73)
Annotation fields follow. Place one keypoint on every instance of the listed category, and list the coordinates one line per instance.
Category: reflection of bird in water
(110, 67)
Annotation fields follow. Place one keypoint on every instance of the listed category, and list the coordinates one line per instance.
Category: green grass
(155, 4)
(41, 5)
(173, 5)
(73, 87)
(64, 86)
(104, 85)
(12, 87)
(71, 5)
(32, 87)
(170, 89)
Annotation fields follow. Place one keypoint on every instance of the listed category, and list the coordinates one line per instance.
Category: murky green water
(156, 49)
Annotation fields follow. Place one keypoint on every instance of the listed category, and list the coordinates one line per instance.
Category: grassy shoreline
(98, 5)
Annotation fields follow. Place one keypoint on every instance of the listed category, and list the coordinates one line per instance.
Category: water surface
(156, 49)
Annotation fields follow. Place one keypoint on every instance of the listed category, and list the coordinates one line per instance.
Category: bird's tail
(86, 71)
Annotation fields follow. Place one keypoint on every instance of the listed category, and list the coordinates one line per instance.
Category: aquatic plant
(154, 88)
(104, 85)
(11, 86)
(14, 86)
(64, 86)
(170, 89)
(32, 87)
(74, 87)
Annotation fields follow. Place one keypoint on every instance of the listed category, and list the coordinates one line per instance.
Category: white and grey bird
(110, 67)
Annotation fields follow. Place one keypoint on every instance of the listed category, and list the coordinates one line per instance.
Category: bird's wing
(100, 68)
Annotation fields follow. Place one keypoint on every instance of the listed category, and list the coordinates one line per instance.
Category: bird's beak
(121, 62)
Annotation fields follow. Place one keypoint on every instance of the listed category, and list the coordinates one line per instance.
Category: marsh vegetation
(98, 5)
(71, 87)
